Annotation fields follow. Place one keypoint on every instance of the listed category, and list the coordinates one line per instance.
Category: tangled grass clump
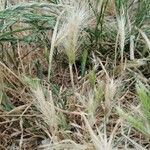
(75, 74)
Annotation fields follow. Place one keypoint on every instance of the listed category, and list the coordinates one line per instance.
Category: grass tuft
(75, 74)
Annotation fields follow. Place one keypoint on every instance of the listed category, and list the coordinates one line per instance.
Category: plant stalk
(71, 76)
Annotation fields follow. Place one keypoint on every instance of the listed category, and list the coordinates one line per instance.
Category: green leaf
(134, 121)
(144, 97)
(6, 104)
(83, 61)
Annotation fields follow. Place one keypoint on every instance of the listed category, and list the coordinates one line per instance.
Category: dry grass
(74, 75)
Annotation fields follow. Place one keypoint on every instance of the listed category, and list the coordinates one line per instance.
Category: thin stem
(53, 44)
(71, 76)
(52, 47)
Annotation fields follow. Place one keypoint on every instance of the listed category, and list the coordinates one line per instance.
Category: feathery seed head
(121, 29)
(75, 19)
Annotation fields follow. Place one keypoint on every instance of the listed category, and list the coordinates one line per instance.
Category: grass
(75, 74)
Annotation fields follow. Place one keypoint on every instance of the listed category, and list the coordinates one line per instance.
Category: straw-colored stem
(71, 76)
(52, 47)
(50, 61)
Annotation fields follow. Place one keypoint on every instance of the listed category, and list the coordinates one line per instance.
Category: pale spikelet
(74, 20)
(111, 90)
(132, 47)
(145, 38)
(91, 108)
(47, 108)
(97, 143)
(90, 104)
(121, 31)
(44, 104)
(101, 141)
